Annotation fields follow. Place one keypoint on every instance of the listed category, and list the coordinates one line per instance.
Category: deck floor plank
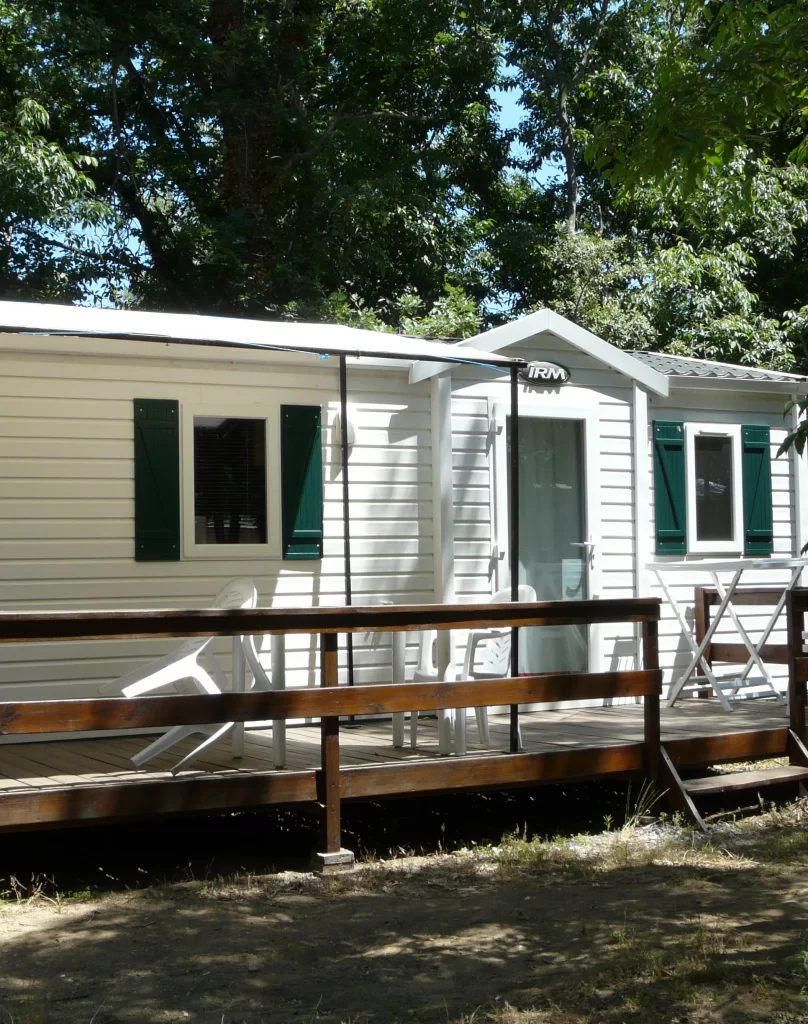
(45, 765)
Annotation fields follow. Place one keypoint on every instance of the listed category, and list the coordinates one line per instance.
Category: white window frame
(269, 411)
(715, 547)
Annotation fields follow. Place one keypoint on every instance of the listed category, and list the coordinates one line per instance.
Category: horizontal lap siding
(727, 407)
(67, 493)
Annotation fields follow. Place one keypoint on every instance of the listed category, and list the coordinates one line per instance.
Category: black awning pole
(343, 432)
(514, 546)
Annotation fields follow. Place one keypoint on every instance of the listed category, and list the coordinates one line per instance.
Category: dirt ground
(636, 926)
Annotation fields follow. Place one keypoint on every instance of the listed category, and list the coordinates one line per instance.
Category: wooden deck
(61, 783)
(66, 781)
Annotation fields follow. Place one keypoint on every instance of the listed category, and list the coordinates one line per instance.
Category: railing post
(795, 617)
(333, 858)
(652, 732)
(701, 621)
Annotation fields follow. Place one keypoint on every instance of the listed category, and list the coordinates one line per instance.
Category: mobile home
(140, 474)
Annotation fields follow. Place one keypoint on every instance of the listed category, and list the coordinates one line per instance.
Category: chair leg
(213, 738)
(413, 729)
(482, 726)
(444, 731)
(460, 730)
(164, 742)
(278, 672)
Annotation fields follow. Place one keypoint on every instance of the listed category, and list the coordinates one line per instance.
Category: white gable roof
(188, 328)
(546, 320)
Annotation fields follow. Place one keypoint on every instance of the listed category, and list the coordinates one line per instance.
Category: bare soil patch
(640, 925)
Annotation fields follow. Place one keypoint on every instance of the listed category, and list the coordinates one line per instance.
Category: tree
(575, 64)
(258, 152)
(730, 75)
(683, 280)
(46, 193)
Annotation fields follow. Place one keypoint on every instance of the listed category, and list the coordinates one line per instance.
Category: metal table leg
(755, 656)
(767, 632)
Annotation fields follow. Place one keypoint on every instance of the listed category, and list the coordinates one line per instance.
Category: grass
(40, 889)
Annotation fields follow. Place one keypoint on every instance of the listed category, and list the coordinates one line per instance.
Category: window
(230, 481)
(712, 488)
(713, 470)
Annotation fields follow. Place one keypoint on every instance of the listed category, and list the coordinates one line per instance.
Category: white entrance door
(558, 526)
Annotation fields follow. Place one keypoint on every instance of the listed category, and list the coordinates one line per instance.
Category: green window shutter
(758, 534)
(302, 481)
(669, 487)
(157, 480)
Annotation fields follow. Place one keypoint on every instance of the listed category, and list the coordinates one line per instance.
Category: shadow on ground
(427, 940)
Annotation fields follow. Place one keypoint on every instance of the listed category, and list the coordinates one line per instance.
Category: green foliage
(341, 160)
(682, 278)
(47, 195)
(262, 153)
(455, 314)
(727, 75)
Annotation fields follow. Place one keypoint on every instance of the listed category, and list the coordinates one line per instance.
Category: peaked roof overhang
(546, 320)
(192, 329)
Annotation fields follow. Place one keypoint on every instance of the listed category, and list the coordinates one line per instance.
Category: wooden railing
(331, 701)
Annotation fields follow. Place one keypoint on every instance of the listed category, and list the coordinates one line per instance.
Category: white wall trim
(714, 547)
(799, 475)
(546, 320)
(442, 490)
(642, 501)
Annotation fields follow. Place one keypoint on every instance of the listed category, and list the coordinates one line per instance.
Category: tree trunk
(568, 152)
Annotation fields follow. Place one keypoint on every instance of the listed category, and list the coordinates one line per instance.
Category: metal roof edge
(232, 332)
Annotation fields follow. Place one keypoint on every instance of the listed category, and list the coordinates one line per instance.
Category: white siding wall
(731, 407)
(66, 494)
(67, 500)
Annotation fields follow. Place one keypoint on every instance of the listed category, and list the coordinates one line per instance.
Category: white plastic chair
(215, 732)
(182, 665)
(427, 671)
(495, 664)
(182, 670)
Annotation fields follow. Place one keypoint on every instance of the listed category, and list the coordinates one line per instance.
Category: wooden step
(757, 779)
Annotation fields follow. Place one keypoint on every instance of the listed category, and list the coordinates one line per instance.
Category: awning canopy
(188, 328)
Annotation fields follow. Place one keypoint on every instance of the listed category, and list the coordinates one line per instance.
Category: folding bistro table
(737, 567)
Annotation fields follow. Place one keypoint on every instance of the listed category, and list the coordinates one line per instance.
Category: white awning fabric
(188, 328)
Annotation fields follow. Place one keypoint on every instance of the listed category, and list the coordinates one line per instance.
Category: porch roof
(193, 329)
